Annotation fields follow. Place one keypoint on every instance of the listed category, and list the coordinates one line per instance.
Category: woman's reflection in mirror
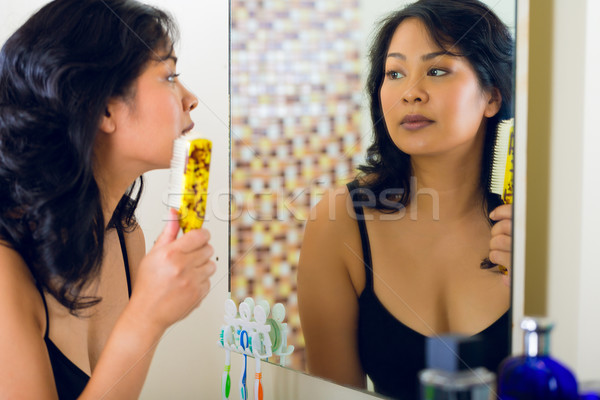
(375, 280)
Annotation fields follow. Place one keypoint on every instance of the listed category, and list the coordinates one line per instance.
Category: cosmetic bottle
(454, 370)
(535, 375)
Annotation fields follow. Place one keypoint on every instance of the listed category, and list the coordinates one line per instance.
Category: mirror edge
(520, 184)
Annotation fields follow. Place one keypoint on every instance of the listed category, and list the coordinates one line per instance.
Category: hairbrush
(501, 179)
(188, 186)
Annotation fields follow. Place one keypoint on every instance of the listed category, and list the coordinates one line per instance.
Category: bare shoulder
(334, 211)
(18, 292)
(331, 242)
(23, 355)
(333, 225)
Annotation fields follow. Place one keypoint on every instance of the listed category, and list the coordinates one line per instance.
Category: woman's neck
(445, 188)
(113, 176)
(112, 188)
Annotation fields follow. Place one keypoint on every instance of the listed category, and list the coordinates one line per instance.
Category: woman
(89, 101)
(396, 256)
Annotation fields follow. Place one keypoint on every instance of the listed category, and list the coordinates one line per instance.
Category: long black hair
(466, 28)
(57, 74)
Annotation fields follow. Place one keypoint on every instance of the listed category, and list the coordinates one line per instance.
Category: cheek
(388, 97)
(157, 103)
(467, 105)
(161, 121)
(162, 107)
(389, 102)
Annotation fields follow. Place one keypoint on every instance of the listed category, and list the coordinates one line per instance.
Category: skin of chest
(82, 338)
(426, 273)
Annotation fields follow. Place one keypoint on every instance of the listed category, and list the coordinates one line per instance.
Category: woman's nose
(415, 93)
(190, 101)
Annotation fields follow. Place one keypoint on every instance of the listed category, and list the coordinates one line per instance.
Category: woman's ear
(494, 103)
(108, 122)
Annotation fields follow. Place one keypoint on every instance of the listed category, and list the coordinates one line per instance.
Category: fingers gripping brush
(189, 179)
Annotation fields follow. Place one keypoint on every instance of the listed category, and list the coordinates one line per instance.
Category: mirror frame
(520, 177)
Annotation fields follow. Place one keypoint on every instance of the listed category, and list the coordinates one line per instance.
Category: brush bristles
(177, 173)
(500, 157)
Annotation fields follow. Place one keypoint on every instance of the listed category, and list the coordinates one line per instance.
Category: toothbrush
(258, 390)
(226, 380)
(189, 179)
(244, 345)
(501, 182)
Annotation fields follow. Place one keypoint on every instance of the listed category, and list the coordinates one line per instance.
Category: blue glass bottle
(536, 375)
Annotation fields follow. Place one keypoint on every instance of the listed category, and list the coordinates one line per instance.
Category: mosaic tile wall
(295, 131)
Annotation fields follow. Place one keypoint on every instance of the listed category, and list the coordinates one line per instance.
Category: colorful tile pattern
(296, 95)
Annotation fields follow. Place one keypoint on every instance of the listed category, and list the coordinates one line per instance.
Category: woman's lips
(189, 128)
(413, 122)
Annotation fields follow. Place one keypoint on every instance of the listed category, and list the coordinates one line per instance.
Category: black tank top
(391, 353)
(70, 380)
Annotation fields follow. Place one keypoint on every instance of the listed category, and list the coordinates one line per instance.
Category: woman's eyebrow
(167, 58)
(173, 58)
(425, 57)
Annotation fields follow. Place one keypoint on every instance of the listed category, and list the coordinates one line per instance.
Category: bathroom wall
(563, 219)
(588, 351)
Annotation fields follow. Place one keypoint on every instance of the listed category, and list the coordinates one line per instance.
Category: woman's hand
(173, 277)
(501, 241)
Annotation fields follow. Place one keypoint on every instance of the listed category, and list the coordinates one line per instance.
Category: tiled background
(296, 95)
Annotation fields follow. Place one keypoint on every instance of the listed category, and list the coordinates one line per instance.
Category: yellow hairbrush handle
(507, 193)
(192, 209)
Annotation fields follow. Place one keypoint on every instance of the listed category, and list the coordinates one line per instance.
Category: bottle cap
(536, 336)
(537, 324)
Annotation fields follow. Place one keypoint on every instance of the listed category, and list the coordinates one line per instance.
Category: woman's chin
(162, 164)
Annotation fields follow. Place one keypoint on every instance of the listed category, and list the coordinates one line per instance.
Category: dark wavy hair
(466, 28)
(57, 74)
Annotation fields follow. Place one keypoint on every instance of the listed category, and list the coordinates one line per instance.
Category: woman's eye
(172, 77)
(394, 75)
(436, 72)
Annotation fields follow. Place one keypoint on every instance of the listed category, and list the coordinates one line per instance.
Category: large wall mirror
(300, 125)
